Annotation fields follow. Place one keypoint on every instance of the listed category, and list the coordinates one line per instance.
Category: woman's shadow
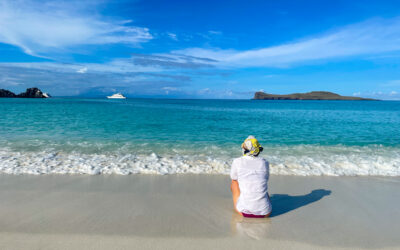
(283, 203)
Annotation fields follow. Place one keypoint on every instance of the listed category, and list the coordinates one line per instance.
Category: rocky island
(29, 93)
(314, 95)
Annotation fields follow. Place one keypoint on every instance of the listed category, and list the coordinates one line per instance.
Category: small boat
(116, 96)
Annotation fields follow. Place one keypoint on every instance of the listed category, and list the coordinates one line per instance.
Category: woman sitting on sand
(249, 185)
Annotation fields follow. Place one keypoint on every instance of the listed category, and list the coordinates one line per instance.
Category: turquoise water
(197, 136)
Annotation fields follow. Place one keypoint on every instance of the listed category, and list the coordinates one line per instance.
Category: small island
(29, 93)
(314, 95)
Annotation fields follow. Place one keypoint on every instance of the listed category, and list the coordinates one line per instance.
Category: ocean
(165, 136)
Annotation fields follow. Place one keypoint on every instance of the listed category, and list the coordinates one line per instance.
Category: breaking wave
(301, 160)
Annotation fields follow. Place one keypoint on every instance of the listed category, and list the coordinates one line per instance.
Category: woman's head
(251, 146)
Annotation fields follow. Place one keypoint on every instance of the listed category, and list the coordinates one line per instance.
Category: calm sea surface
(95, 136)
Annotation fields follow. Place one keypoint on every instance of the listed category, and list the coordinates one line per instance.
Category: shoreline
(195, 211)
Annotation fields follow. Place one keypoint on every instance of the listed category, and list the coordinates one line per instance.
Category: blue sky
(200, 49)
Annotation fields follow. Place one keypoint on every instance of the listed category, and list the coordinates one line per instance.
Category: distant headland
(29, 93)
(314, 95)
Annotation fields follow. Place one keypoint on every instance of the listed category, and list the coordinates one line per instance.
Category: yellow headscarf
(251, 146)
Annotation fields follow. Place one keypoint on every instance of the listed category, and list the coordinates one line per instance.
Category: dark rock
(314, 95)
(29, 93)
(33, 93)
(6, 93)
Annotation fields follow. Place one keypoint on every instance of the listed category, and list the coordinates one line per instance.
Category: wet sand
(195, 212)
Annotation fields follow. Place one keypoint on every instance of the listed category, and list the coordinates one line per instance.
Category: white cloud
(204, 91)
(392, 83)
(82, 70)
(357, 94)
(118, 66)
(366, 38)
(173, 36)
(381, 95)
(40, 27)
(168, 89)
(214, 32)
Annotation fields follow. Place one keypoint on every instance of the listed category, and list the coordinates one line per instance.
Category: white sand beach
(195, 212)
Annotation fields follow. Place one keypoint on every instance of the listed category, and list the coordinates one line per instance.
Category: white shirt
(252, 173)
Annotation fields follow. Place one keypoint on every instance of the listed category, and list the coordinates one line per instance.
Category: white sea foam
(285, 160)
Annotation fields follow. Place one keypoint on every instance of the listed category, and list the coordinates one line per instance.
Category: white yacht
(116, 96)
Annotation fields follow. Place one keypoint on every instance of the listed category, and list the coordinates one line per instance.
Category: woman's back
(252, 174)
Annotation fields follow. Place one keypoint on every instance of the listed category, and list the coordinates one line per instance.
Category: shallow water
(67, 135)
